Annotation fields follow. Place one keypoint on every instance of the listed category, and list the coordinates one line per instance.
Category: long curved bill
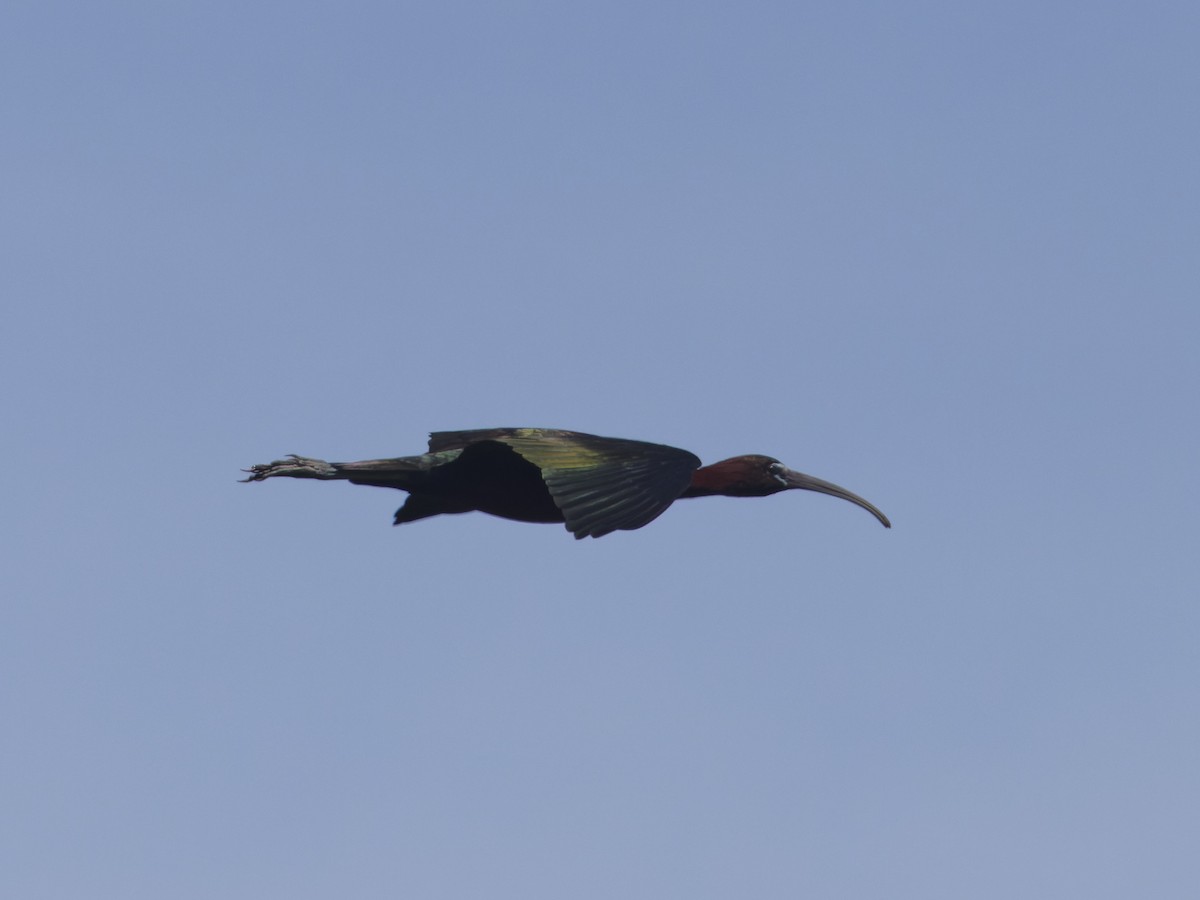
(809, 483)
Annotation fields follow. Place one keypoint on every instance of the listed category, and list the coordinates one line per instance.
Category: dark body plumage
(595, 485)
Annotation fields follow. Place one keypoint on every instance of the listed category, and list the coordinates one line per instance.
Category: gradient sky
(944, 254)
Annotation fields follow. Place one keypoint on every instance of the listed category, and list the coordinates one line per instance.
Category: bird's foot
(292, 467)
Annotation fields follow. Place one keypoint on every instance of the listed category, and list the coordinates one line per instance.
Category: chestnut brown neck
(741, 476)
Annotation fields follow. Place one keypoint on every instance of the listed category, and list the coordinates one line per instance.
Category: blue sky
(943, 254)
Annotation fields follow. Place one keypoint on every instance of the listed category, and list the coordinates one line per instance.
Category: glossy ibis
(594, 485)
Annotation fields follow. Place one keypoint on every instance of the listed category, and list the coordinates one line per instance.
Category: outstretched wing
(459, 440)
(601, 484)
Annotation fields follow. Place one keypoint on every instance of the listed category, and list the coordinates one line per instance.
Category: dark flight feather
(600, 484)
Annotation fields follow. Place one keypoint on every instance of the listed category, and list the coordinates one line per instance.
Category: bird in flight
(594, 485)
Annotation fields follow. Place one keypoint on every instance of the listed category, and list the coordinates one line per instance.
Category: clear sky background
(944, 254)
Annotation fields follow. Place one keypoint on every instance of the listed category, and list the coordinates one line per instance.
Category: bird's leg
(403, 472)
(293, 467)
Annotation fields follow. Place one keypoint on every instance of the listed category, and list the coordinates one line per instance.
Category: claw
(293, 467)
(257, 473)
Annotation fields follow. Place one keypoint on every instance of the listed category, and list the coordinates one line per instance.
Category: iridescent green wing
(458, 440)
(603, 484)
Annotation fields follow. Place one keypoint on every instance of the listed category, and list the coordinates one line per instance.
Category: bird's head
(755, 475)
